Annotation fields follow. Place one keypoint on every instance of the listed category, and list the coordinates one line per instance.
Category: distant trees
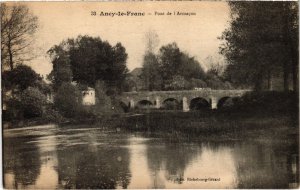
(215, 67)
(172, 69)
(262, 40)
(18, 25)
(86, 60)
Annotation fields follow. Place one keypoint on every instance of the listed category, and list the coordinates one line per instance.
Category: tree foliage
(24, 93)
(169, 61)
(151, 75)
(262, 39)
(67, 100)
(178, 83)
(89, 59)
(170, 69)
(61, 71)
(32, 101)
(190, 67)
(20, 78)
(18, 25)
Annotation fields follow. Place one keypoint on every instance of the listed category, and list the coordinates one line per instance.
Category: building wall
(88, 97)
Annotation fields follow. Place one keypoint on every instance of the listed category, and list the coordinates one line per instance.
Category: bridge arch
(171, 104)
(124, 106)
(199, 103)
(144, 104)
(225, 101)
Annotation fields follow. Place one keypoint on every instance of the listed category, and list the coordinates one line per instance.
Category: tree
(27, 92)
(165, 71)
(42, 86)
(118, 69)
(151, 75)
(90, 59)
(261, 40)
(190, 67)
(18, 25)
(129, 85)
(152, 41)
(197, 83)
(169, 61)
(173, 62)
(178, 83)
(215, 67)
(67, 99)
(61, 71)
(20, 78)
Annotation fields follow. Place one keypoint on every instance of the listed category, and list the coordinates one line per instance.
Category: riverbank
(216, 125)
(263, 117)
(203, 125)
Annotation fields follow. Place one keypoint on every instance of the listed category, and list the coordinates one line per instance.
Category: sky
(197, 34)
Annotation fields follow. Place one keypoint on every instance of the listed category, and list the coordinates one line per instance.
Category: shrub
(32, 102)
(52, 115)
(268, 101)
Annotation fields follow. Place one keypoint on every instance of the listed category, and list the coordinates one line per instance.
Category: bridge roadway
(157, 98)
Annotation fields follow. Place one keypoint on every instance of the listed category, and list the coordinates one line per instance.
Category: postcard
(150, 94)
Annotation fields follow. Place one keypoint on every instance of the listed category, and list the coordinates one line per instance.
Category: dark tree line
(262, 41)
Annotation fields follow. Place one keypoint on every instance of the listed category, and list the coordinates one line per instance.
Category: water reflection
(21, 163)
(164, 166)
(83, 158)
(267, 165)
(176, 165)
(95, 168)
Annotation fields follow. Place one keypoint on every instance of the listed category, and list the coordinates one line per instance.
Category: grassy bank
(260, 116)
(214, 124)
(257, 115)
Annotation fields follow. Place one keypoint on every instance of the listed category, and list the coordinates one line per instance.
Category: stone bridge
(185, 97)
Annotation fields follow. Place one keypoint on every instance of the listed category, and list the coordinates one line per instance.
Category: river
(51, 157)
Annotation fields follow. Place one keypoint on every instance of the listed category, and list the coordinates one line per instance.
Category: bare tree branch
(18, 25)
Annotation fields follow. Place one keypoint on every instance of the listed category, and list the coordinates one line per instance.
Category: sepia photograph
(150, 94)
